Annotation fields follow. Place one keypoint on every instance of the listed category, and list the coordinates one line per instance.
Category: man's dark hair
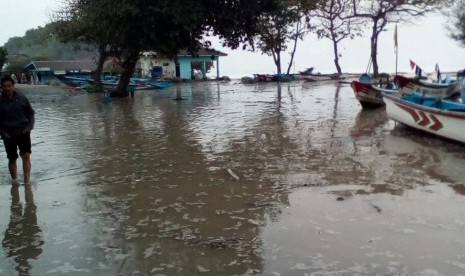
(6, 78)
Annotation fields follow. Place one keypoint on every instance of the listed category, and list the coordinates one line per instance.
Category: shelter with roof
(49, 68)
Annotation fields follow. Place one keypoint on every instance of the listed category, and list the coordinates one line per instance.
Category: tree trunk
(296, 39)
(278, 62)
(128, 66)
(336, 57)
(98, 71)
(374, 49)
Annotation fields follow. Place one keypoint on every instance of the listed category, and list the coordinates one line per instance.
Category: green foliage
(277, 27)
(3, 57)
(16, 66)
(94, 89)
(457, 20)
(380, 13)
(164, 26)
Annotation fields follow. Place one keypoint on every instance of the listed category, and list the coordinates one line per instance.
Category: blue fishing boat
(73, 81)
(161, 84)
(135, 84)
(111, 85)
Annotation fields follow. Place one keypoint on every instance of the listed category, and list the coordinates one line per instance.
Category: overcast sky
(18, 16)
(425, 42)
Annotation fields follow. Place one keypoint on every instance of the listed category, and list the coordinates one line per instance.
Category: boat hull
(427, 89)
(265, 77)
(72, 81)
(323, 77)
(275, 77)
(369, 96)
(445, 123)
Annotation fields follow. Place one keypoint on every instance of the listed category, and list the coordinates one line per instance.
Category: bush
(94, 89)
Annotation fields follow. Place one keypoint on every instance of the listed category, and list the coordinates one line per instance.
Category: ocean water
(216, 178)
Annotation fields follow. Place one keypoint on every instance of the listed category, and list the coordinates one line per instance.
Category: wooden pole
(396, 46)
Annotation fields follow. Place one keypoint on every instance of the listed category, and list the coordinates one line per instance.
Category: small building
(184, 67)
(202, 58)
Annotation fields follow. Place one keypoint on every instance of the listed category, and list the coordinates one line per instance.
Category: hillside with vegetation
(40, 44)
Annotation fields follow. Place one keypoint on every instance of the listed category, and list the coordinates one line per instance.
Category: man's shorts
(21, 141)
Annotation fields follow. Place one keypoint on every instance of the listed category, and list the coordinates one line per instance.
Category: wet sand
(262, 179)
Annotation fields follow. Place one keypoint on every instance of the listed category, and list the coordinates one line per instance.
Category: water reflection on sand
(232, 179)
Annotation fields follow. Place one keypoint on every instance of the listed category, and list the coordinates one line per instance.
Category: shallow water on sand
(290, 179)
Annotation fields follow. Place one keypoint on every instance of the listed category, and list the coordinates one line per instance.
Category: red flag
(412, 64)
(395, 37)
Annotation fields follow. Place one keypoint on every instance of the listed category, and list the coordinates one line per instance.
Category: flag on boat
(418, 71)
(438, 73)
(412, 65)
(395, 38)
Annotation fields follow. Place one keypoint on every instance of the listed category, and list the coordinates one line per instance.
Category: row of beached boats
(308, 75)
(110, 83)
(435, 107)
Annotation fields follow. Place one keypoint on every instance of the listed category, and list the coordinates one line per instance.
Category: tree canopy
(163, 26)
(282, 24)
(383, 12)
(332, 20)
(457, 19)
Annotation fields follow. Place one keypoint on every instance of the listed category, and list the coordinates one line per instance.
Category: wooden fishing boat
(323, 77)
(309, 76)
(265, 77)
(370, 96)
(275, 77)
(431, 114)
(426, 88)
(307, 71)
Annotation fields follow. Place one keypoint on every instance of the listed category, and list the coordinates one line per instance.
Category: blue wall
(185, 67)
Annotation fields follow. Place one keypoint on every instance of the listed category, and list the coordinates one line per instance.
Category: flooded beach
(211, 178)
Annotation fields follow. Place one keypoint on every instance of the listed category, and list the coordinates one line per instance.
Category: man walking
(16, 122)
